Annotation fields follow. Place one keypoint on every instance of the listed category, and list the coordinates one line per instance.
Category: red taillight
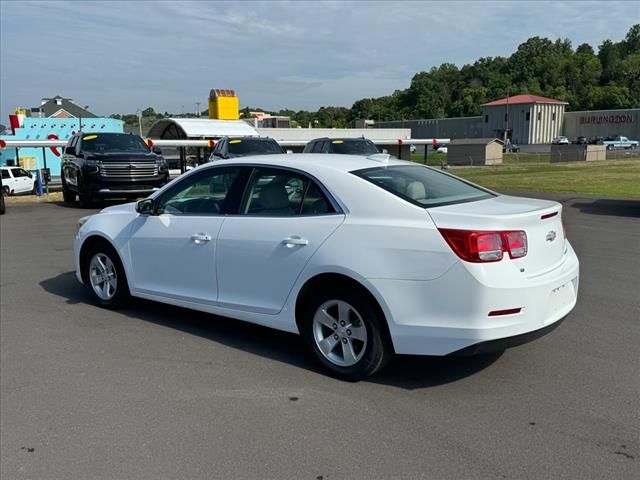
(480, 246)
(516, 243)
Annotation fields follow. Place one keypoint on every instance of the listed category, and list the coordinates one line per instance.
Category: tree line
(586, 79)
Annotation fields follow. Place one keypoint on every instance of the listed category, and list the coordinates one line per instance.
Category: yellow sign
(29, 163)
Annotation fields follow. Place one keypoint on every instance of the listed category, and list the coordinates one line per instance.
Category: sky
(118, 56)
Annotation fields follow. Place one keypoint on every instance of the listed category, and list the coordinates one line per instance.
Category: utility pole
(197, 109)
(506, 121)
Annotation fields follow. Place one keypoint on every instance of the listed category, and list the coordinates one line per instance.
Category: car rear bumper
(452, 313)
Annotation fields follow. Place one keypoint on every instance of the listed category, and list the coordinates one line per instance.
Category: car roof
(315, 162)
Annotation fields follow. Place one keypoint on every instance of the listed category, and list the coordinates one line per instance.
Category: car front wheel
(344, 331)
(105, 277)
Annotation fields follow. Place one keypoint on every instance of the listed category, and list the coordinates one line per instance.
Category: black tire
(609, 147)
(5, 191)
(67, 195)
(121, 297)
(84, 197)
(2, 206)
(375, 353)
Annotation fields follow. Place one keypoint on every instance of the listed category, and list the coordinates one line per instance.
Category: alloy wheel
(103, 276)
(339, 333)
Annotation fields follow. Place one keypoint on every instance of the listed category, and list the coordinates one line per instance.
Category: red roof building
(525, 98)
(523, 118)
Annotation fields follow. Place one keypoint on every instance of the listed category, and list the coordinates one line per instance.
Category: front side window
(19, 172)
(118, 142)
(213, 191)
(272, 192)
(422, 186)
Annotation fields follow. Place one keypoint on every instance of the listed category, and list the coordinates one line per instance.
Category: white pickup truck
(620, 143)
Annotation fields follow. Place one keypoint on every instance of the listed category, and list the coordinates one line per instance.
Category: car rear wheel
(67, 195)
(105, 277)
(344, 331)
(5, 191)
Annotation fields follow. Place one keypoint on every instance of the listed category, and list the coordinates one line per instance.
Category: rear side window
(273, 192)
(5, 174)
(422, 186)
(247, 146)
(358, 146)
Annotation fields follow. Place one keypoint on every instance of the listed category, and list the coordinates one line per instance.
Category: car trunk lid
(540, 219)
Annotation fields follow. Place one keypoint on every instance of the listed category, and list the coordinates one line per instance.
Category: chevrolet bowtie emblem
(551, 236)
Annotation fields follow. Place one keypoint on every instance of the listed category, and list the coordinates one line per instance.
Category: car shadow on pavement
(615, 208)
(404, 371)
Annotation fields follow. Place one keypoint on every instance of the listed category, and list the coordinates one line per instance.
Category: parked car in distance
(2, 195)
(441, 148)
(17, 180)
(561, 140)
(116, 165)
(341, 146)
(363, 256)
(510, 148)
(233, 147)
(620, 143)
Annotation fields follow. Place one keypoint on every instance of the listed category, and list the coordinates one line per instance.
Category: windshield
(103, 143)
(358, 146)
(253, 146)
(423, 186)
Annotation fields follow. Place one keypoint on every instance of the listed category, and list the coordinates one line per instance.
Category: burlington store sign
(624, 118)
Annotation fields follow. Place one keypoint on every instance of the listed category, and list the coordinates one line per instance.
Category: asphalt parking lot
(157, 392)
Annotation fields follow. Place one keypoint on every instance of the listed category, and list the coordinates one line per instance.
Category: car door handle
(295, 240)
(200, 238)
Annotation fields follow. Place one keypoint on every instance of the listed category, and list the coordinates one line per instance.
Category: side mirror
(156, 150)
(145, 207)
(70, 151)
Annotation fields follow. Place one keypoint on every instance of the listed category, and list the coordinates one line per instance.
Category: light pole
(197, 109)
(139, 112)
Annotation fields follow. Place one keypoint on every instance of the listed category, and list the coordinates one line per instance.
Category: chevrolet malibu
(363, 256)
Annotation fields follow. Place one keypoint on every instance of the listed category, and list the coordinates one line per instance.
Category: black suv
(229, 147)
(110, 165)
(346, 146)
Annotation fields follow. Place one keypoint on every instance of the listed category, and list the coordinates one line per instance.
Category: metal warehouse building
(525, 118)
(602, 123)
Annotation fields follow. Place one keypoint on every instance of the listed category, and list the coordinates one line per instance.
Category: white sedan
(363, 256)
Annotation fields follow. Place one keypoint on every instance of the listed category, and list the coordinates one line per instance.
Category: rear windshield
(422, 186)
(253, 147)
(102, 143)
(358, 146)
